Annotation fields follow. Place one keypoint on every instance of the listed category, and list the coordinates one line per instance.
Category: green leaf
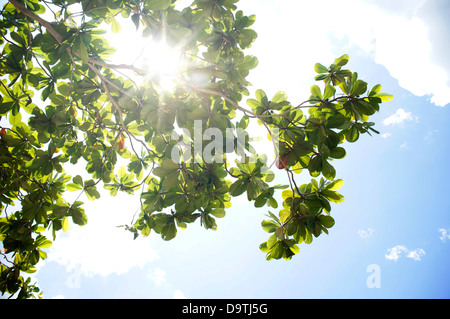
(332, 196)
(60, 211)
(315, 91)
(344, 87)
(218, 212)
(326, 221)
(261, 200)
(279, 232)
(239, 186)
(329, 92)
(65, 224)
(92, 193)
(243, 123)
(359, 88)
(72, 187)
(338, 153)
(279, 97)
(342, 60)
(328, 170)
(78, 215)
(295, 249)
(145, 231)
(253, 103)
(273, 203)
(352, 134)
(336, 121)
(115, 26)
(263, 247)
(315, 166)
(319, 68)
(385, 97)
(15, 120)
(170, 179)
(78, 180)
(324, 151)
(169, 165)
(135, 18)
(122, 172)
(269, 226)
(251, 191)
(272, 240)
(158, 4)
(45, 243)
(169, 230)
(335, 185)
(364, 108)
(261, 96)
(321, 77)
(250, 62)
(375, 90)
(217, 13)
(83, 52)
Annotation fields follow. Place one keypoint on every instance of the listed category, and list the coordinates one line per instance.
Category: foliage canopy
(63, 103)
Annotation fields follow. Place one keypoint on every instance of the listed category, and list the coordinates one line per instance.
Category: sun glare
(160, 61)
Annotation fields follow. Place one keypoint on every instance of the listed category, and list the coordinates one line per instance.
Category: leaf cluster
(312, 141)
(63, 104)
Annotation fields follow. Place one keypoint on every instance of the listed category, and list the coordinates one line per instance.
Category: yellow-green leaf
(335, 185)
(115, 26)
(65, 224)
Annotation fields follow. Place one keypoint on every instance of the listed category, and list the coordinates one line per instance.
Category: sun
(160, 61)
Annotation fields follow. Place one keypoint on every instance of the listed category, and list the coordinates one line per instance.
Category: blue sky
(395, 216)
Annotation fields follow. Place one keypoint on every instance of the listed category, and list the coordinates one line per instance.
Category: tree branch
(103, 78)
(41, 21)
(59, 39)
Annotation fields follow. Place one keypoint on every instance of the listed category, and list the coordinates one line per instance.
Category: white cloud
(404, 145)
(366, 234)
(399, 117)
(178, 294)
(431, 136)
(416, 254)
(402, 36)
(395, 253)
(100, 247)
(445, 234)
(158, 276)
(404, 43)
(386, 135)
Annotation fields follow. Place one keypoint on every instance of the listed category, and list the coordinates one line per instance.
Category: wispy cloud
(396, 252)
(158, 276)
(404, 145)
(445, 234)
(399, 117)
(431, 136)
(416, 254)
(386, 135)
(178, 294)
(366, 234)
